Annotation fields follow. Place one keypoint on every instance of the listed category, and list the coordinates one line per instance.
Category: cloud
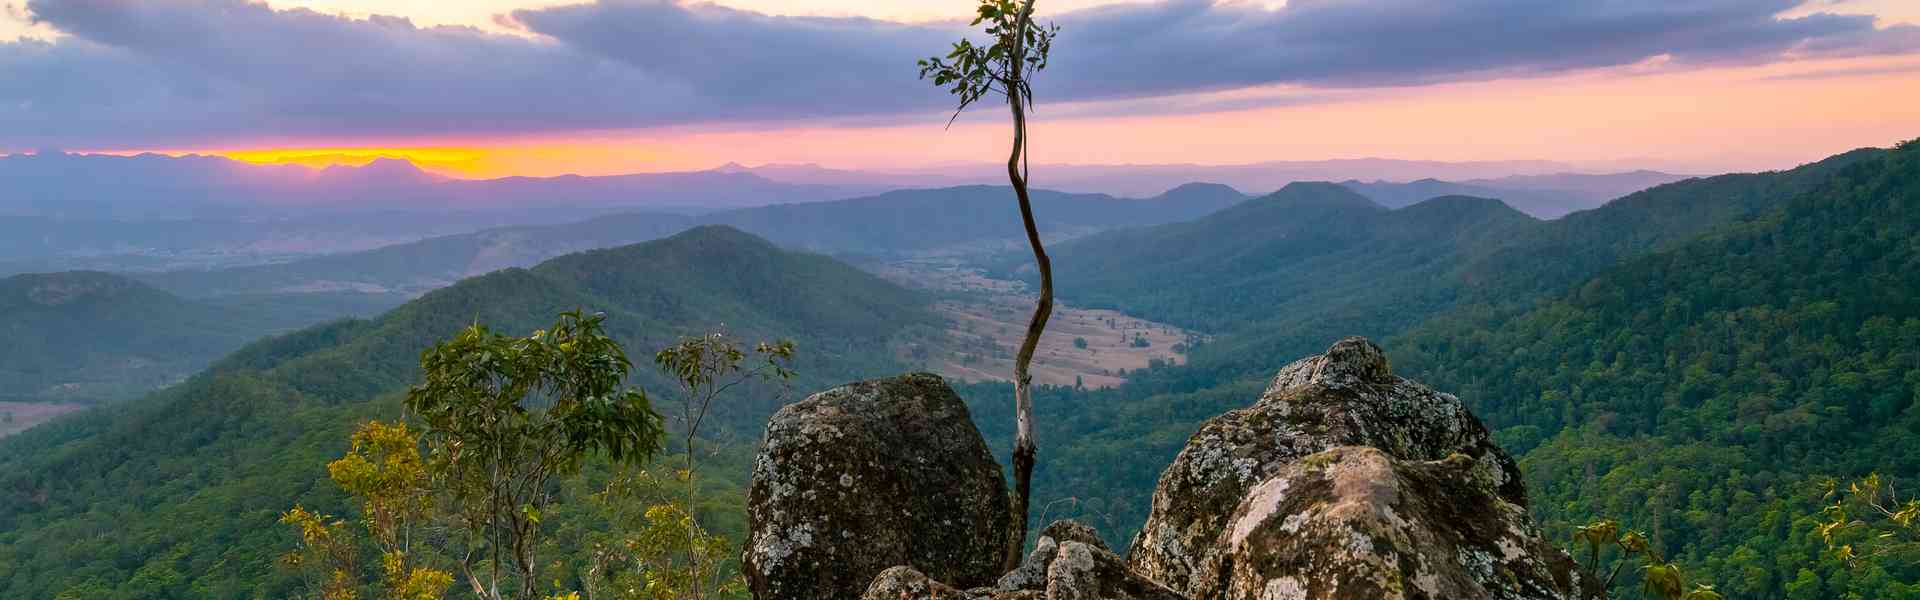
(1185, 45)
(750, 64)
(183, 72)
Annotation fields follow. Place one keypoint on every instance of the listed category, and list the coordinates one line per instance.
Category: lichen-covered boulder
(871, 475)
(1032, 572)
(1355, 523)
(1081, 571)
(1346, 397)
(906, 583)
(1069, 562)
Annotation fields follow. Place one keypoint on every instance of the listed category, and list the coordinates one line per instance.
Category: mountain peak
(382, 170)
(1201, 189)
(1457, 207)
(1321, 193)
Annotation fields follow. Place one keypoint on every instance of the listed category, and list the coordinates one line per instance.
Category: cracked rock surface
(1346, 397)
(1354, 522)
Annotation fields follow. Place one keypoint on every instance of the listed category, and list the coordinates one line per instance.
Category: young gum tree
(1020, 47)
(705, 368)
(507, 415)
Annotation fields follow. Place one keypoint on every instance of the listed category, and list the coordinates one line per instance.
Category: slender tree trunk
(693, 554)
(1024, 449)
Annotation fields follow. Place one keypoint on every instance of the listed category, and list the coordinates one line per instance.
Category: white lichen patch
(1284, 588)
(773, 546)
(1293, 522)
(1261, 504)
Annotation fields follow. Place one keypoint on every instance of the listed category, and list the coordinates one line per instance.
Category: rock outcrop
(1346, 397)
(1354, 522)
(1343, 482)
(871, 475)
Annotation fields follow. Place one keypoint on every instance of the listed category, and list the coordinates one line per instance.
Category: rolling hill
(94, 337)
(1315, 251)
(399, 272)
(1288, 274)
(189, 480)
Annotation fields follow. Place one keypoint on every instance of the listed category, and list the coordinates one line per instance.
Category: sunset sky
(483, 88)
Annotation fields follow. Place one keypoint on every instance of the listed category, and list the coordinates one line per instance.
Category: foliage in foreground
(509, 420)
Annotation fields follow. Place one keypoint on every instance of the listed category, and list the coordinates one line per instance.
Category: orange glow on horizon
(478, 160)
(447, 161)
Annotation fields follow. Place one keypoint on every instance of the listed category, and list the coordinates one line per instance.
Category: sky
(484, 88)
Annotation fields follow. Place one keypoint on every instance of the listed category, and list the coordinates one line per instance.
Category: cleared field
(16, 417)
(1094, 348)
(987, 320)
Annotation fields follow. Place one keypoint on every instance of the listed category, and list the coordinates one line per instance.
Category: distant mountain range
(894, 224)
(150, 186)
(1257, 178)
(63, 206)
(153, 212)
(1543, 196)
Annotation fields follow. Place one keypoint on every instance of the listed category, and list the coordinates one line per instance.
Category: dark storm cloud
(160, 72)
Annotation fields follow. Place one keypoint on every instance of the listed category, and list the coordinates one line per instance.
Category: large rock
(871, 475)
(1346, 397)
(1355, 523)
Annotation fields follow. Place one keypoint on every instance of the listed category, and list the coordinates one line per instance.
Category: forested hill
(93, 337)
(1288, 274)
(1704, 392)
(1307, 245)
(1106, 448)
(176, 496)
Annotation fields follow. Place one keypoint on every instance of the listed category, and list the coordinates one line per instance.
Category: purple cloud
(182, 72)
